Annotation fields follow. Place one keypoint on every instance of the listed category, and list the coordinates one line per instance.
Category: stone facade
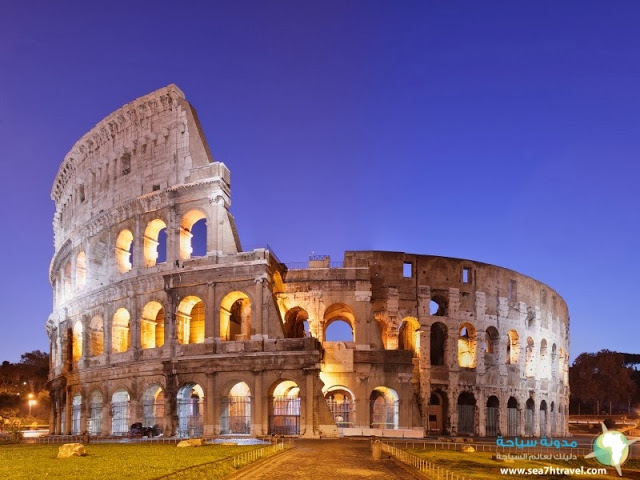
(225, 341)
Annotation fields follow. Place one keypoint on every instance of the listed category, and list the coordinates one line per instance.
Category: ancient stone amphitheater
(152, 324)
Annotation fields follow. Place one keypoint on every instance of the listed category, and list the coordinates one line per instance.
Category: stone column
(259, 320)
(309, 399)
(173, 236)
(212, 407)
(259, 416)
(210, 314)
(481, 407)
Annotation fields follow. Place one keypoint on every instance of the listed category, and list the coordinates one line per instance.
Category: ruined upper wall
(149, 145)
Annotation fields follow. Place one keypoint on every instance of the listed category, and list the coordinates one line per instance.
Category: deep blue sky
(505, 132)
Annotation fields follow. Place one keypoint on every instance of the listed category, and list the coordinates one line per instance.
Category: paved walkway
(323, 459)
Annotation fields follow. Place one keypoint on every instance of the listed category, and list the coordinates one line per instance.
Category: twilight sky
(503, 132)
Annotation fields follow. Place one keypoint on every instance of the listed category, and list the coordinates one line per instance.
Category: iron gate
(342, 412)
(466, 418)
(236, 415)
(513, 422)
(120, 418)
(63, 420)
(528, 422)
(75, 419)
(543, 422)
(384, 414)
(153, 414)
(190, 422)
(492, 421)
(285, 416)
(95, 419)
(553, 423)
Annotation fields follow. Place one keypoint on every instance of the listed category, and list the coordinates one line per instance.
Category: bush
(14, 428)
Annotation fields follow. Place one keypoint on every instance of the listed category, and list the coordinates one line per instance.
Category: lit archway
(153, 407)
(77, 341)
(152, 326)
(236, 410)
(190, 410)
(235, 317)
(152, 241)
(339, 323)
(191, 320)
(124, 251)
(186, 236)
(81, 271)
(120, 412)
(409, 335)
(76, 413)
(467, 346)
(120, 331)
(96, 336)
(342, 405)
(284, 411)
(385, 408)
(513, 348)
(296, 323)
(95, 413)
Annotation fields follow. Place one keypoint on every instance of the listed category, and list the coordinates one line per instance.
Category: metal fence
(285, 416)
(513, 422)
(466, 418)
(384, 413)
(420, 464)
(528, 422)
(95, 418)
(236, 415)
(76, 412)
(190, 422)
(343, 413)
(120, 418)
(492, 421)
(153, 414)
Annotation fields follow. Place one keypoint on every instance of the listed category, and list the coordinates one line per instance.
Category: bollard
(376, 450)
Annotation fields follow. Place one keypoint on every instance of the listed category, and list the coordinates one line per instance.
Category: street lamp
(31, 402)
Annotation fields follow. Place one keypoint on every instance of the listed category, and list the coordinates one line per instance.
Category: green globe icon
(611, 448)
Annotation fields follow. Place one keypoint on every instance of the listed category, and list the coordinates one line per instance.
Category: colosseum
(161, 317)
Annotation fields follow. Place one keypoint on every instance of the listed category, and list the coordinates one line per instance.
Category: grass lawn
(108, 461)
(480, 465)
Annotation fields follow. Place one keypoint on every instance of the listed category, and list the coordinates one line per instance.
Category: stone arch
(438, 411)
(190, 320)
(341, 402)
(492, 345)
(235, 316)
(190, 410)
(439, 305)
(124, 251)
(384, 408)
(76, 414)
(543, 417)
(438, 344)
(236, 410)
(529, 364)
(339, 312)
(120, 331)
(153, 406)
(466, 413)
(467, 345)
(284, 408)
(151, 241)
(542, 359)
(513, 417)
(409, 335)
(296, 323)
(81, 270)
(530, 405)
(95, 412)
(189, 219)
(152, 325)
(513, 347)
(120, 406)
(552, 426)
(96, 336)
(492, 417)
(77, 341)
(66, 281)
(554, 361)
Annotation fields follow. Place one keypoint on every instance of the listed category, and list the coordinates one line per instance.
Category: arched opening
(124, 251)
(437, 411)
(543, 362)
(409, 335)
(153, 407)
(554, 362)
(467, 346)
(66, 280)
(513, 417)
(341, 403)
(385, 408)
(543, 417)
(152, 325)
(77, 341)
(76, 412)
(492, 339)
(438, 342)
(95, 413)
(190, 410)
(96, 336)
(236, 410)
(235, 317)
(81, 271)
(513, 348)
(193, 237)
(529, 364)
(438, 306)
(152, 254)
(493, 416)
(466, 413)
(339, 323)
(296, 323)
(120, 412)
(120, 331)
(190, 321)
(284, 412)
(528, 417)
(553, 419)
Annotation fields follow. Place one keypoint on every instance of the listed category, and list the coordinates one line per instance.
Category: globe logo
(610, 448)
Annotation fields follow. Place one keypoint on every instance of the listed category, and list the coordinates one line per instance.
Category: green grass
(108, 461)
(480, 465)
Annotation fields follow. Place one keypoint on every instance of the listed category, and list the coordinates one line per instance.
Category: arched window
(120, 412)
(513, 417)
(66, 281)
(341, 403)
(120, 331)
(339, 323)
(284, 409)
(438, 342)
(153, 407)
(151, 242)
(493, 416)
(296, 323)
(96, 336)
(76, 412)
(95, 413)
(492, 340)
(81, 271)
(236, 410)
(529, 365)
(409, 335)
(190, 410)
(513, 348)
(528, 417)
(467, 346)
(385, 408)
(124, 251)
(77, 341)
(466, 413)
(192, 245)
(190, 321)
(543, 360)
(235, 317)
(438, 306)
(152, 326)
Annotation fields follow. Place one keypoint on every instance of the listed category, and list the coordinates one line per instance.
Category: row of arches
(192, 242)
(510, 421)
(384, 407)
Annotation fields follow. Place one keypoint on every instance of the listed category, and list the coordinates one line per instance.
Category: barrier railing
(420, 464)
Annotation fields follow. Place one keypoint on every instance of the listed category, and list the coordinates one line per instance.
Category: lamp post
(31, 402)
